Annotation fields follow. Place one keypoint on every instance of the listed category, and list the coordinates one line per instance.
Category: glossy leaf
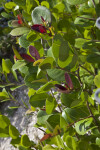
(19, 64)
(97, 81)
(19, 31)
(4, 121)
(47, 63)
(76, 2)
(25, 141)
(13, 132)
(41, 11)
(6, 65)
(56, 74)
(71, 143)
(18, 56)
(54, 120)
(23, 42)
(42, 116)
(50, 104)
(38, 100)
(83, 126)
(73, 114)
(32, 82)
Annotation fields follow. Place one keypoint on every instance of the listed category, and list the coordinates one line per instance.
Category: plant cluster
(61, 41)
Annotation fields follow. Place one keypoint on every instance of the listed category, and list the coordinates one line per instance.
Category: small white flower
(16, 8)
(98, 23)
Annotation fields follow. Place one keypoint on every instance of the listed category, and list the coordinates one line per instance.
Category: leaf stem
(42, 130)
(94, 3)
(87, 70)
(92, 116)
(78, 121)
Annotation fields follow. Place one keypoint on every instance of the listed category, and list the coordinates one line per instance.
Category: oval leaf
(41, 11)
(34, 53)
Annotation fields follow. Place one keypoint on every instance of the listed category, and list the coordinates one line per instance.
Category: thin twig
(87, 70)
(78, 75)
(92, 116)
(78, 121)
(94, 3)
(58, 104)
(42, 130)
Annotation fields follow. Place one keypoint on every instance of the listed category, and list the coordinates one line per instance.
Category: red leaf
(39, 28)
(68, 81)
(47, 136)
(60, 87)
(42, 19)
(19, 19)
(27, 57)
(34, 53)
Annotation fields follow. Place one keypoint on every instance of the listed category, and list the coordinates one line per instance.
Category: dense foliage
(61, 68)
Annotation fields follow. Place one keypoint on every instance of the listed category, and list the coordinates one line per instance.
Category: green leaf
(47, 63)
(71, 143)
(56, 74)
(25, 141)
(4, 121)
(42, 116)
(63, 123)
(46, 87)
(19, 64)
(23, 42)
(76, 2)
(32, 36)
(16, 53)
(15, 141)
(70, 99)
(10, 5)
(49, 147)
(73, 114)
(20, 2)
(97, 81)
(4, 95)
(58, 8)
(93, 58)
(83, 145)
(54, 120)
(56, 45)
(98, 141)
(59, 142)
(38, 100)
(6, 65)
(30, 4)
(26, 16)
(62, 51)
(79, 42)
(50, 104)
(15, 87)
(13, 132)
(19, 31)
(4, 132)
(83, 126)
(38, 12)
(32, 82)
(45, 3)
(5, 15)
